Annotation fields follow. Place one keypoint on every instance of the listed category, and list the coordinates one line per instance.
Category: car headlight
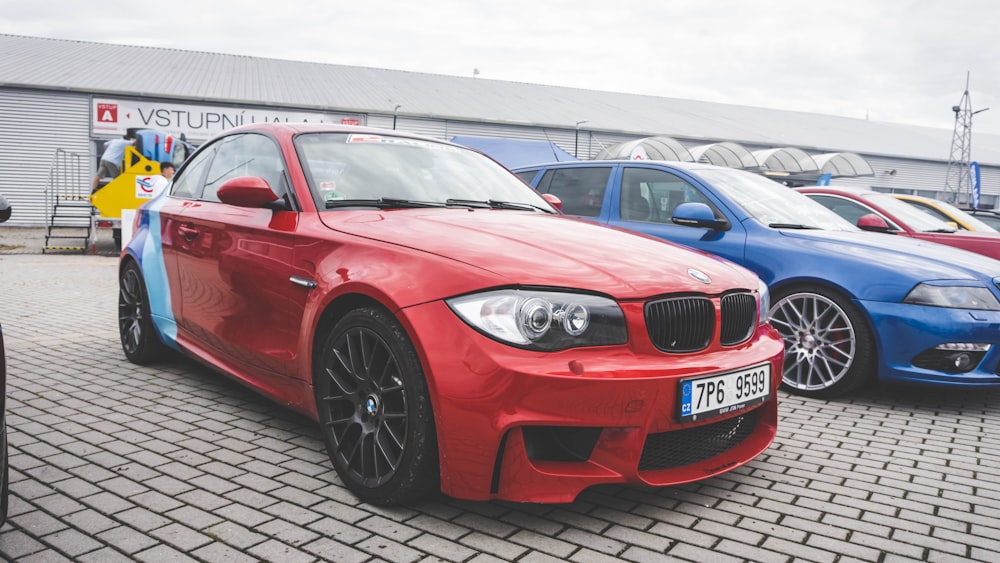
(543, 320)
(953, 297)
(765, 302)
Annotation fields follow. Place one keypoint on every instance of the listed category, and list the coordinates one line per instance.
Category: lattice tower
(956, 181)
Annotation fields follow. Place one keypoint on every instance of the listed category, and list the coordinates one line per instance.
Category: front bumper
(905, 331)
(511, 423)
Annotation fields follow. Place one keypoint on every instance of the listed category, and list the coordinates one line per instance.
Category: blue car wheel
(828, 345)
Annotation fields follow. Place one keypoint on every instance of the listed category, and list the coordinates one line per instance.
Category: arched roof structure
(726, 153)
(648, 148)
(786, 159)
(843, 164)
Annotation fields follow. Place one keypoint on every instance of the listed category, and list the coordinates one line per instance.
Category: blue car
(851, 305)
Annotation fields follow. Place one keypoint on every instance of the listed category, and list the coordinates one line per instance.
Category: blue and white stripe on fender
(147, 250)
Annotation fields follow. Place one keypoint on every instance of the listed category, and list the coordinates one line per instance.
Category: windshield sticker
(367, 138)
(358, 138)
(329, 191)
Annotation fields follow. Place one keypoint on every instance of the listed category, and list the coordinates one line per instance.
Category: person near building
(160, 182)
(112, 157)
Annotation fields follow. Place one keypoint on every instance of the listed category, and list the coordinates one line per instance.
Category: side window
(651, 195)
(188, 182)
(527, 176)
(580, 189)
(850, 210)
(245, 155)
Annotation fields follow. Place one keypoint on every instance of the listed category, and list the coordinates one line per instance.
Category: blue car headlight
(953, 297)
(543, 320)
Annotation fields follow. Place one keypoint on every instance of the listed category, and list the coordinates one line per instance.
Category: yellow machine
(129, 190)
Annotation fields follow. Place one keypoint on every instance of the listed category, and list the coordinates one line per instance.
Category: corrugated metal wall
(32, 126)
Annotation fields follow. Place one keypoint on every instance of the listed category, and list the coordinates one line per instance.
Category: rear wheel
(135, 323)
(374, 409)
(829, 349)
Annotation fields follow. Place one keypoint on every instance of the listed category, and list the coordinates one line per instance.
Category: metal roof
(79, 66)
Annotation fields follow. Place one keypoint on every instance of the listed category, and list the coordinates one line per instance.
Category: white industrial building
(68, 97)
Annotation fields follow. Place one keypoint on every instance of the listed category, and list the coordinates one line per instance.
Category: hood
(537, 249)
(906, 259)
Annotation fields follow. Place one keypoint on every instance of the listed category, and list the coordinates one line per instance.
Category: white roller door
(33, 125)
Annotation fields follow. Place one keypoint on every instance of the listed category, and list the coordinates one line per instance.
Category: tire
(829, 348)
(5, 478)
(135, 323)
(374, 409)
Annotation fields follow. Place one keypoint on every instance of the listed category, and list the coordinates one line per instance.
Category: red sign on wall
(107, 113)
(346, 121)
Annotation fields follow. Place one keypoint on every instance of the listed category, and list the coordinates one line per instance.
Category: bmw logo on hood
(699, 276)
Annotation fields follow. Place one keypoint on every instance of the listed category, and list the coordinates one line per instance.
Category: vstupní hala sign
(112, 117)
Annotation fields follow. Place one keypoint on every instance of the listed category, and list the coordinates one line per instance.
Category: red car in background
(444, 324)
(876, 211)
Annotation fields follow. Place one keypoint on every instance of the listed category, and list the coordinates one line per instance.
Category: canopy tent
(515, 152)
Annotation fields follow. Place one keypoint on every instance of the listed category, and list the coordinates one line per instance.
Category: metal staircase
(69, 216)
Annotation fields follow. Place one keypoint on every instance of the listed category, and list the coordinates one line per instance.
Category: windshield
(916, 219)
(771, 203)
(969, 219)
(342, 168)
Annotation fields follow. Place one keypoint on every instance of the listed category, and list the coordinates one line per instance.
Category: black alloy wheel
(374, 409)
(135, 323)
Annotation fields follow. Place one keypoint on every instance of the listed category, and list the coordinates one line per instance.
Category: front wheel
(135, 322)
(828, 345)
(374, 409)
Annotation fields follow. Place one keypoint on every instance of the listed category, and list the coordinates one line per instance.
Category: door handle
(188, 232)
(304, 282)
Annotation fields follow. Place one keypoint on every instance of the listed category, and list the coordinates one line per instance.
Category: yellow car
(946, 212)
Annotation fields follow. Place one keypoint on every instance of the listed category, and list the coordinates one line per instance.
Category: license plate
(705, 397)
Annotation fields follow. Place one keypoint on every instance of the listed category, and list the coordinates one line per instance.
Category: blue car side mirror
(699, 215)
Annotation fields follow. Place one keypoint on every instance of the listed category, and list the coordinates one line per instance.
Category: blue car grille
(687, 324)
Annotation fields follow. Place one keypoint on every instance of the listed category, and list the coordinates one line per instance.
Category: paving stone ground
(173, 462)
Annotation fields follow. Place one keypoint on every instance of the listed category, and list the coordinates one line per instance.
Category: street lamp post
(576, 143)
(395, 112)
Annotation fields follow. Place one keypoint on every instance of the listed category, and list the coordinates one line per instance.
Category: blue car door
(644, 196)
(583, 190)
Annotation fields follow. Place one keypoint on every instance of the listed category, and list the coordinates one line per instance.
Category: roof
(107, 69)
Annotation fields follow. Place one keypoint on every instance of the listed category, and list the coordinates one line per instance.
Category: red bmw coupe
(444, 324)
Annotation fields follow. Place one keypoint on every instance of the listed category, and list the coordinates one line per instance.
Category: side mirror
(247, 191)
(874, 223)
(554, 201)
(699, 215)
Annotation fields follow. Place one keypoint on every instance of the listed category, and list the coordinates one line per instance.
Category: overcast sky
(885, 60)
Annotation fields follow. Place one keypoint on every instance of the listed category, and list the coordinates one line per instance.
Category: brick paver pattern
(174, 462)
